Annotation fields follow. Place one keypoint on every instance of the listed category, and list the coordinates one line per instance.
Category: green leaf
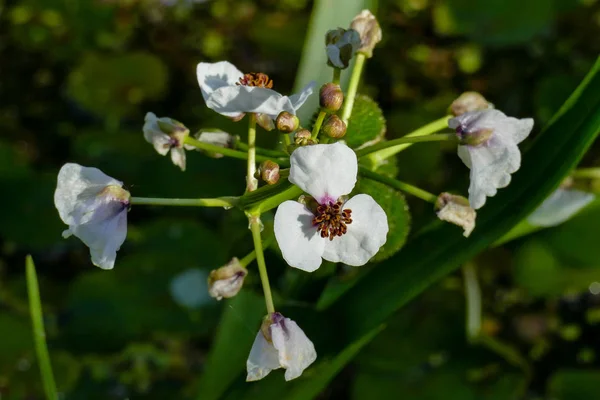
(231, 346)
(574, 385)
(366, 124)
(326, 15)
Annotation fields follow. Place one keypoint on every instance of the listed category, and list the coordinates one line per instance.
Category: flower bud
(368, 28)
(269, 172)
(303, 137)
(226, 281)
(334, 127)
(265, 122)
(341, 46)
(287, 122)
(331, 97)
(475, 138)
(175, 129)
(456, 210)
(469, 101)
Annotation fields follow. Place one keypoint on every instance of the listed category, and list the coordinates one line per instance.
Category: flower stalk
(251, 181)
(353, 86)
(405, 141)
(399, 185)
(317, 126)
(255, 228)
(225, 202)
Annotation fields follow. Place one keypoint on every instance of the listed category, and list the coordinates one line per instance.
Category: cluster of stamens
(256, 79)
(331, 220)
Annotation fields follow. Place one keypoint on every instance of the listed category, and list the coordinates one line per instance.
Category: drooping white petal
(263, 359)
(296, 351)
(232, 101)
(325, 171)
(298, 99)
(212, 76)
(75, 185)
(559, 207)
(496, 120)
(365, 236)
(152, 133)
(178, 157)
(296, 236)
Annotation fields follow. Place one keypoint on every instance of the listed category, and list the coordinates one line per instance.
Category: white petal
(178, 157)
(365, 236)
(77, 185)
(459, 214)
(325, 171)
(232, 101)
(296, 351)
(152, 133)
(212, 76)
(508, 127)
(263, 359)
(559, 207)
(298, 99)
(296, 236)
(491, 165)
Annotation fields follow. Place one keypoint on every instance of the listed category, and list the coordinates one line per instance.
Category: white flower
(285, 346)
(226, 282)
(559, 207)
(229, 92)
(490, 149)
(94, 206)
(457, 211)
(162, 141)
(350, 232)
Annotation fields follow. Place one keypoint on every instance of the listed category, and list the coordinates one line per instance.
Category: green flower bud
(269, 172)
(265, 122)
(287, 122)
(334, 127)
(303, 137)
(331, 97)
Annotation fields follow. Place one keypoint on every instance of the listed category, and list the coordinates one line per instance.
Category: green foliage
(366, 124)
(574, 384)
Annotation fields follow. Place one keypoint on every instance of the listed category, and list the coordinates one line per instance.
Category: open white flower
(559, 207)
(350, 232)
(229, 92)
(94, 205)
(280, 343)
(167, 134)
(489, 149)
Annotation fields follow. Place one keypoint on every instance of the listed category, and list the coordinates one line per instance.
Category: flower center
(256, 79)
(331, 219)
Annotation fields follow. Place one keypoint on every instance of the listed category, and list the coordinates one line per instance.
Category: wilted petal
(226, 282)
(325, 171)
(365, 236)
(212, 76)
(296, 236)
(263, 359)
(152, 133)
(456, 210)
(559, 207)
(178, 157)
(296, 351)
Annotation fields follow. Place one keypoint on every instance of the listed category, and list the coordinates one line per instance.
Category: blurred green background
(76, 79)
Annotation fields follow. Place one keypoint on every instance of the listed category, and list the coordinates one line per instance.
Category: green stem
(244, 262)
(287, 140)
(337, 73)
(406, 140)
(399, 185)
(260, 260)
(588, 173)
(39, 334)
(251, 181)
(225, 202)
(318, 123)
(353, 87)
(473, 299)
(425, 130)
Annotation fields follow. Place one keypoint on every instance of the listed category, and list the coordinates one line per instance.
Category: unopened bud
(475, 138)
(287, 122)
(303, 137)
(469, 101)
(331, 97)
(226, 281)
(334, 127)
(456, 210)
(269, 172)
(368, 28)
(341, 46)
(265, 122)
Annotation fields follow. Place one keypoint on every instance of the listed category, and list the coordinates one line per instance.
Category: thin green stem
(425, 130)
(251, 181)
(225, 202)
(406, 140)
(473, 299)
(588, 173)
(318, 123)
(287, 140)
(39, 334)
(353, 87)
(260, 260)
(244, 262)
(399, 185)
(337, 73)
